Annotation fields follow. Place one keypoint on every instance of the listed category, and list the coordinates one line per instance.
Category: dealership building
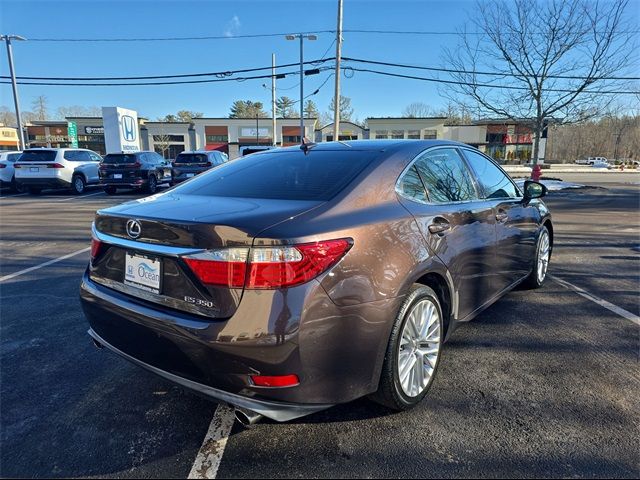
(505, 140)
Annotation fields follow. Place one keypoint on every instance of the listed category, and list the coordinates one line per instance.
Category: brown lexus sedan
(292, 280)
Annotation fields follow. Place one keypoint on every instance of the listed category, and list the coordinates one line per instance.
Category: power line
(267, 35)
(495, 74)
(177, 39)
(219, 74)
(483, 85)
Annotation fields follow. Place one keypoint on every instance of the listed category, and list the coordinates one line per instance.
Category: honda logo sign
(120, 130)
(128, 128)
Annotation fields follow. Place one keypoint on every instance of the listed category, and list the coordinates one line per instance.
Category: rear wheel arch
(438, 283)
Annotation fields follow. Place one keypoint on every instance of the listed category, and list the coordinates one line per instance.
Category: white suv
(73, 168)
(7, 159)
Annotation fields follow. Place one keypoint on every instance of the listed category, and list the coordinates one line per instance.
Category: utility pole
(7, 39)
(301, 37)
(336, 98)
(274, 140)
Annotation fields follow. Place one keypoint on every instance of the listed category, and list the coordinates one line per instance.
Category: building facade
(9, 138)
(430, 128)
(230, 134)
(348, 131)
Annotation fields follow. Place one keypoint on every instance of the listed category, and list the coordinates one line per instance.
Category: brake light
(15, 165)
(54, 165)
(220, 267)
(2, 165)
(96, 246)
(267, 267)
(136, 165)
(275, 380)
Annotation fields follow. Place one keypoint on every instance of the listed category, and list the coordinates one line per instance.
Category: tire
(77, 184)
(15, 186)
(392, 390)
(538, 274)
(110, 190)
(152, 185)
(35, 190)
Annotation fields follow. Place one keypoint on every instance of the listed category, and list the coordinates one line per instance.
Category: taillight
(2, 165)
(226, 267)
(96, 246)
(267, 267)
(15, 165)
(54, 165)
(136, 165)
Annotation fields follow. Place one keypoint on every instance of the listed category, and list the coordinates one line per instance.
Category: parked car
(139, 170)
(295, 279)
(600, 164)
(592, 160)
(189, 164)
(249, 149)
(73, 168)
(7, 172)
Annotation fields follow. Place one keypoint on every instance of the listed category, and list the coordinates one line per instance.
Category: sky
(370, 95)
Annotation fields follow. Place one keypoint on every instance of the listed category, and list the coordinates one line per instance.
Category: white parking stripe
(210, 454)
(45, 264)
(11, 196)
(80, 196)
(610, 306)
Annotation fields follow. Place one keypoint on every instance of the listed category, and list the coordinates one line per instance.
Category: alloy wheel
(543, 256)
(419, 348)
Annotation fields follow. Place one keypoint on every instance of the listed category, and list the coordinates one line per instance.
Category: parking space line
(210, 454)
(609, 306)
(81, 196)
(42, 265)
(12, 196)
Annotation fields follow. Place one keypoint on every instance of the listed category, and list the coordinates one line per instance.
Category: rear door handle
(439, 225)
(501, 217)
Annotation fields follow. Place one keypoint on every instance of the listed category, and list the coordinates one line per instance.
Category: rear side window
(494, 183)
(76, 155)
(445, 176)
(191, 158)
(120, 158)
(12, 157)
(412, 187)
(38, 156)
(286, 175)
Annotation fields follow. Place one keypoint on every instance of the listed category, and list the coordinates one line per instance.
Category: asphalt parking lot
(543, 384)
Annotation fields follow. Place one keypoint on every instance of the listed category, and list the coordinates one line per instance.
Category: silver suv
(73, 168)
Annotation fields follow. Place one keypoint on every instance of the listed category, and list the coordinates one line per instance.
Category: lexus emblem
(133, 228)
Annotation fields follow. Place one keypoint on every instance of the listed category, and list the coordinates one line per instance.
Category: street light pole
(7, 39)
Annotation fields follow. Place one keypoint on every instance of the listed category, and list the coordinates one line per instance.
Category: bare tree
(417, 110)
(541, 61)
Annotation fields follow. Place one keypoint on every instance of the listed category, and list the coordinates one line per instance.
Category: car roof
(377, 145)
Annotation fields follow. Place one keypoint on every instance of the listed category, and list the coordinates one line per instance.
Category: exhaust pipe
(247, 417)
(97, 344)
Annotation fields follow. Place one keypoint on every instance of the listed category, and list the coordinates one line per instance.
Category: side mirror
(533, 190)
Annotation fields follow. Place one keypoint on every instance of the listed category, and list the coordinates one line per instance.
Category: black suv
(134, 170)
(190, 164)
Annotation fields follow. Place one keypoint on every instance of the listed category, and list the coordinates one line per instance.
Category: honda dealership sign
(121, 132)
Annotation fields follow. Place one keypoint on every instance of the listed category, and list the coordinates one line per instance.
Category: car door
(516, 222)
(93, 166)
(459, 228)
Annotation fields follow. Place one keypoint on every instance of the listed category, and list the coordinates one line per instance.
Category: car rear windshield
(191, 158)
(38, 156)
(288, 175)
(119, 158)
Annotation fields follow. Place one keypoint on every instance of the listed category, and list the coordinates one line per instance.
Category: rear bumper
(43, 182)
(140, 183)
(337, 352)
(278, 411)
